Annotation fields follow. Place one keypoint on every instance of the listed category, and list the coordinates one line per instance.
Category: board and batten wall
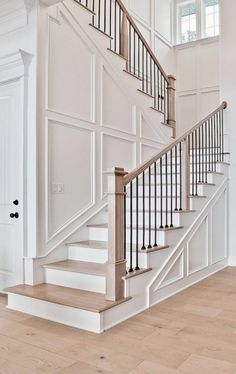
(197, 84)
(88, 122)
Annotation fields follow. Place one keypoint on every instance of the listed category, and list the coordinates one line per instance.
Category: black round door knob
(14, 215)
(16, 202)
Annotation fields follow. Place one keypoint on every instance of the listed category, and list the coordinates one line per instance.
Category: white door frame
(15, 68)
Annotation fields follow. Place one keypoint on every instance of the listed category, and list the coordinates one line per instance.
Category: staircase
(141, 248)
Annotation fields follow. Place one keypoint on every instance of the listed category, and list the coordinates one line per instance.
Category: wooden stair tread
(136, 272)
(90, 244)
(91, 268)
(80, 299)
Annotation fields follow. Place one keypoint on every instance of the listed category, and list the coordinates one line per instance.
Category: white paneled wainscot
(93, 118)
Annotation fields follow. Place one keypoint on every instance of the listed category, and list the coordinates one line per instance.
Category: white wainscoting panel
(71, 173)
(197, 81)
(113, 100)
(70, 71)
(175, 273)
(197, 248)
(116, 151)
(142, 9)
(219, 228)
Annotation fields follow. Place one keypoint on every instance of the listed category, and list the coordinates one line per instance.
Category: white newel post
(116, 266)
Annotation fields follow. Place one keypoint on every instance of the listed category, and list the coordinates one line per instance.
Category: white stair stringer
(167, 282)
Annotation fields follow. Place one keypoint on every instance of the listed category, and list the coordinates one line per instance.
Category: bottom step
(73, 307)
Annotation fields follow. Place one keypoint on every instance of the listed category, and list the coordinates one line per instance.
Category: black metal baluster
(93, 9)
(158, 88)
(147, 71)
(209, 145)
(137, 222)
(110, 25)
(130, 57)
(151, 75)
(131, 229)
(193, 166)
(176, 179)
(138, 56)
(171, 189)
(134, 54)
(120, 30)
(105, 16)
(205, 153)
(155, 203)
(155, 88)
(143, 247)
(99, 14)
(125, 212)
(199, 155)
(115, 27)
(166, 161)
(143, 66)
(215, 144)
(149, 207)
(217, 137)
(180, 176)
(161, 197)
(212, 145)
(196, 185)
(202, 153)
(161, 93)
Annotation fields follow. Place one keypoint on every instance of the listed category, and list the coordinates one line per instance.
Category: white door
(11, 256)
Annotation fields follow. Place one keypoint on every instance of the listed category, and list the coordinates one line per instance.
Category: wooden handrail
(140, 169)
(130, 19)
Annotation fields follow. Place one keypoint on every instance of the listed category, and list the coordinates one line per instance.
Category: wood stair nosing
(75, 266)
(66, 296)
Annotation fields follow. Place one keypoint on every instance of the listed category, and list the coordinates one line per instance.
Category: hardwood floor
(193, 332)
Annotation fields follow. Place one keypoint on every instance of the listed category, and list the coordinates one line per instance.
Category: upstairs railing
(142, 202)
(112, 18)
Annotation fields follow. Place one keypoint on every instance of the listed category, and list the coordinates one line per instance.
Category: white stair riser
(158, 190)
(197, 203)
(96, 233)
(69, 316)
(153, 202)
(178, 219)
(87, 254)
(201, 189)
(162, 237)
(87, 282)
(116, 60)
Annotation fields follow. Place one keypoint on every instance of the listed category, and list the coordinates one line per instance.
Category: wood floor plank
(192, 332)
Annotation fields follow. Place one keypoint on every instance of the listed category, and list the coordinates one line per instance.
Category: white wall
(228, 93)
(153, 17)
(198, 91)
